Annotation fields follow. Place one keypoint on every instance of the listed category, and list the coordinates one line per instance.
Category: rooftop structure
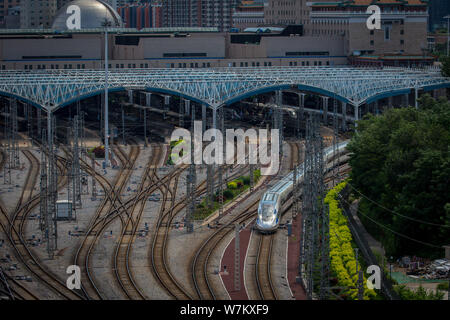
(217, 87)
(94, 13)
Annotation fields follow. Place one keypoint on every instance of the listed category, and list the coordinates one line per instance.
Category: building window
(371, 42)
(387, 33)
(402, 42)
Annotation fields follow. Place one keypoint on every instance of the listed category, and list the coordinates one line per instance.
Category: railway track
(14, 228)
(158, 254)
(295, 148)
(30, 180)
(160, 242)
(123, 249)
(263, 276)
(199, 264)
(110, 202)
(19, 291)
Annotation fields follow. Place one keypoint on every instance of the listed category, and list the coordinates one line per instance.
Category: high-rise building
(8, 8)
(113, 3)
(249, 14)
(7, 4)
(289, 12)
(438, 9)
(141, 16)
(199, 13)
(285, 12)
(179, 13)
(403, 26)
(37, 13)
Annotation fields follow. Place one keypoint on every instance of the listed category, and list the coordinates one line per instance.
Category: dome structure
(93, 14)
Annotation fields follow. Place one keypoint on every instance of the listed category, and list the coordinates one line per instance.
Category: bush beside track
(233, 190)
(342, 255)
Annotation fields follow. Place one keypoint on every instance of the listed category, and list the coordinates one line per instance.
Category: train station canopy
(216, 87)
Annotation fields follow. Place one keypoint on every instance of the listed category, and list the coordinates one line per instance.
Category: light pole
(106, 24)
(448, 33)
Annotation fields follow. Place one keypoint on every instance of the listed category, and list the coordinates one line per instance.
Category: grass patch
(233, 190)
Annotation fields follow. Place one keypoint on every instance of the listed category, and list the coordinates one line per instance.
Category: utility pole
(191, 181)
(148, 100)
(106, 24)
(325, 250)
(278, 118)
(360, 282)
(313, 169)
(181, 113)
(7, 145)
(94, 185)
(166, 106)
(221, 166)
(336, 158)
(43, 209)
(237, 259)
(300, 113)
(76, 169)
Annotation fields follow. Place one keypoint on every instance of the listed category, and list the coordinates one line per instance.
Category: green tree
(401, 167)
(445, 66)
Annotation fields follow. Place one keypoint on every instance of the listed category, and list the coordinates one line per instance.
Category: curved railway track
(199, 264)
(100, 220)
(14, 228)
(158, 253)
(160, 242)
(123, 249)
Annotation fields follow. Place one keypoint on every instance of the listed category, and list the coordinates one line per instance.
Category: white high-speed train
(271, 204)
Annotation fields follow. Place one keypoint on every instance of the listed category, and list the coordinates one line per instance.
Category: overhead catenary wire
(392, 231)
(399, 214)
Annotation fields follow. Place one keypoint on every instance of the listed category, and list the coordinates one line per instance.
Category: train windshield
(267, 212)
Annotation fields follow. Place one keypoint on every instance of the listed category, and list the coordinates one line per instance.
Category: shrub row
(342, 255)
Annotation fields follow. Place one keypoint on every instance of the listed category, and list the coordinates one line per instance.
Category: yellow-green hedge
(342, 255)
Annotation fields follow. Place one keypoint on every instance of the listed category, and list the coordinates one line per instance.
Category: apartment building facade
(37, 13)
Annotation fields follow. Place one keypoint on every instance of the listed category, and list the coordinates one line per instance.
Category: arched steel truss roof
(51, 89)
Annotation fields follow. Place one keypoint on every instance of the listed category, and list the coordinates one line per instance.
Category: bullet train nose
(266, 226)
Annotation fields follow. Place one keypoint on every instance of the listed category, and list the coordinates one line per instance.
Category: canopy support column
(344, 116)
(416, 97)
